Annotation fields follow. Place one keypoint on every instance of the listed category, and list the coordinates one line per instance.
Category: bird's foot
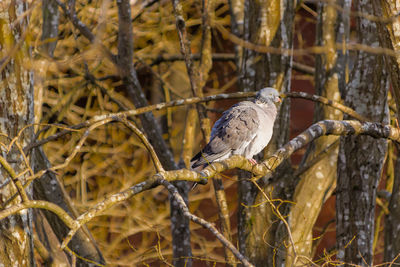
(253, 161)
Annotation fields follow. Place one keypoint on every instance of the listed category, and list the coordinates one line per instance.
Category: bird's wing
(231, 134)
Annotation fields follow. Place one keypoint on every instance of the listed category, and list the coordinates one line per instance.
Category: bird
(244, 129)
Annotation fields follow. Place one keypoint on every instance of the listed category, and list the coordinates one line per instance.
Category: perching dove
(244, 129)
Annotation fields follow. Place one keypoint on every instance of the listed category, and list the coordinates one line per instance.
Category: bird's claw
(253, 161)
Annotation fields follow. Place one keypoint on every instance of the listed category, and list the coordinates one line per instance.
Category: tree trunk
(179, 224)
(361, 157)
(389, 34)
(317, 173)
(16, 112)
(258, 71)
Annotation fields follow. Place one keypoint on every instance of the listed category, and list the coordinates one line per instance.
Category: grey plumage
(244, 129)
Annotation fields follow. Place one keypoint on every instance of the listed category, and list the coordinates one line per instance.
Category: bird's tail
(197, 162)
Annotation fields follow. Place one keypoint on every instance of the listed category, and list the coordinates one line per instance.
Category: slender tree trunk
(389, 34)
(361, 157)
(268, 23)
(16, 112)
(317, 173)
(48, 187)
(51, 18)
(179, 224)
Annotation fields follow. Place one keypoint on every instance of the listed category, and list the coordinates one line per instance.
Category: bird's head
(267, 95)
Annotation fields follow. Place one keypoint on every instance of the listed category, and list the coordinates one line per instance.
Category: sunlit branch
(367, 16)
(326, 127)
(14, 179)
(146, 143)
(119, 197)
(185, 44)
(40, 204)
(74, 152)
(188, 101)
(182, 174)
(301, 51)
(326, 101)
(82, 28)
(181, 203)
(105, 204)
(157, 59)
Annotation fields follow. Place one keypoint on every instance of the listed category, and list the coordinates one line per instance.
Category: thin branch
(82, 28)
(39, 204)
(280, 216)
(185, 44)
(182, 174)
(188, 101)
(326, 127)
(14, 179)
(54, 136)
(181, 203)
(326, 101)
(145, 5)
(193, 74)
(302, 51)
(303, 68)
(146, 143)
(132, 85)
(105, 204)
(74, 152)
(300, 67)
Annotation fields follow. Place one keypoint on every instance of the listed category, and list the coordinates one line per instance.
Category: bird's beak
(278, 99)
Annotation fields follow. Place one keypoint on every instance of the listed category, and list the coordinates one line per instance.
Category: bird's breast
(263, 135)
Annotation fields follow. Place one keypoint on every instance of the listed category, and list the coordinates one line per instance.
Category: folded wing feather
(231, 134)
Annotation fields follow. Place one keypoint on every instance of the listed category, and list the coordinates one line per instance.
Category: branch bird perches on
(326, 127)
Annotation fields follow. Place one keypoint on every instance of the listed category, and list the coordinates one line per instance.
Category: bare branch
(326, 127)
(302, 51)
(146, 143)
(185, 45)
(326, 101)
(82, 28)
(195, 82)
(188, 101)
(71, 14)
(133, 87)
(300, 67)
(105, 204)
(39, 204)
(14, 179)
(181, 203)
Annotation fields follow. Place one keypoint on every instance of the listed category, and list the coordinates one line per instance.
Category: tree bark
(258, 71)
(361, 157)
(389, 34)
(16, 112)
(317, 173)
(48, 188)
(179, 224)
(51, 18)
